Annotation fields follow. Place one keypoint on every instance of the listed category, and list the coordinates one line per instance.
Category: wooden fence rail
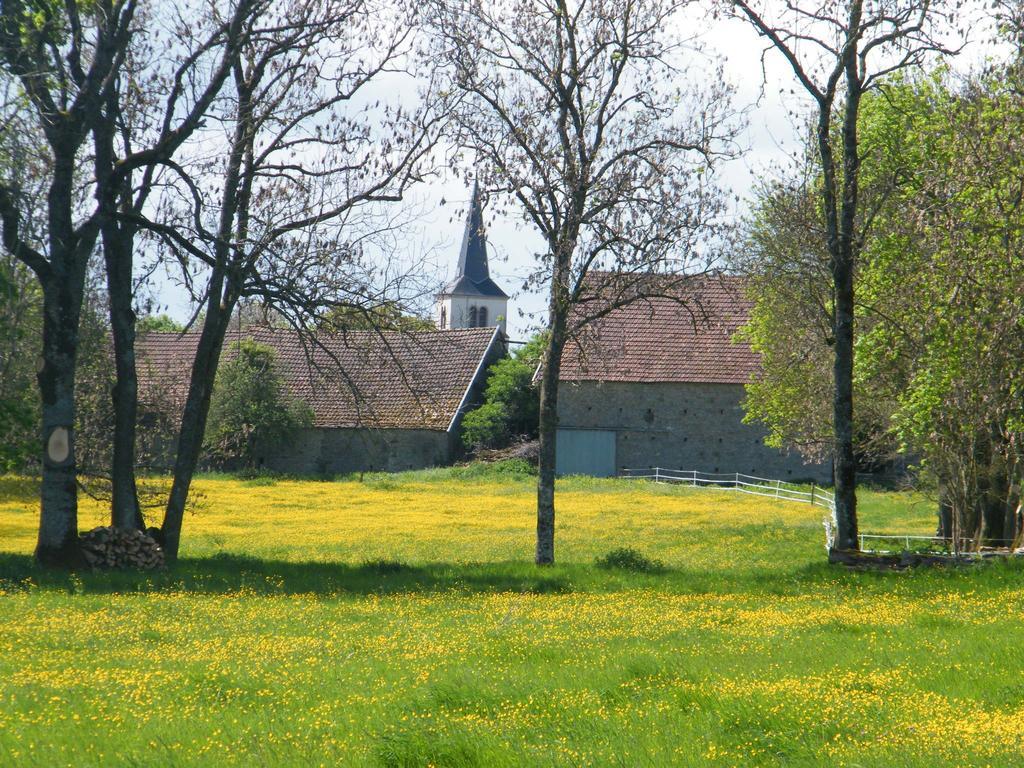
(750, 484)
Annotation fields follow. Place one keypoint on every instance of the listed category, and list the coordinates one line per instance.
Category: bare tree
(65, 62)
(838, 51)
(134, 136)
(282, 195)
(577, 113)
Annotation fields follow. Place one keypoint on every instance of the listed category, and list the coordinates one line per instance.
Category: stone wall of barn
(332, 451)
(680, 426)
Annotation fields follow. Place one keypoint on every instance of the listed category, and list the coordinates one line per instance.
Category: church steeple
(472, 299)
(474, 277)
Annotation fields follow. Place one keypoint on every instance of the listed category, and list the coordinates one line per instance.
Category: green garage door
(585, 452)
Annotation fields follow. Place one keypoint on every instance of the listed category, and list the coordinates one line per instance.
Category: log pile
(105, 548)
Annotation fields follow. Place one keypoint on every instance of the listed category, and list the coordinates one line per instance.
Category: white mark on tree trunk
(58, 447)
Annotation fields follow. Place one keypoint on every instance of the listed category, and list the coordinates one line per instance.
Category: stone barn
(660, 383)
(384, 401)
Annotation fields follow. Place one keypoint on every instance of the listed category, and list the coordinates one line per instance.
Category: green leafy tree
(160, 323)
(840, 53)
(511, 407)
(20, 326)
(486, 427)
(793, 315)
(948, 334)
(250, 410)
(940, 326)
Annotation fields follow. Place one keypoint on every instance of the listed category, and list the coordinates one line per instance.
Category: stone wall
(336, 451)
(680, 426)
(341, 451)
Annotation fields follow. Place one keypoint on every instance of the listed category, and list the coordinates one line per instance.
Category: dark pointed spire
(474, 277)
(473, 256)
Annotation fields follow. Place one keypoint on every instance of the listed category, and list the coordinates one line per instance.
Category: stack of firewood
(108, 547)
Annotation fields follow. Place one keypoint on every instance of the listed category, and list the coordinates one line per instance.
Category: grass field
(398, 622)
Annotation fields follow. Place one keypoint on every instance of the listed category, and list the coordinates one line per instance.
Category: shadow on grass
(228, 573)
(224, 573)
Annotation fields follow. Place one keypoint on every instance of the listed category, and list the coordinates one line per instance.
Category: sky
(769, 98)
(767, 140)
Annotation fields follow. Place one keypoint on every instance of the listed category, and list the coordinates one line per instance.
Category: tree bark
(944, 527)
(193, 422)
(844, 467)
(125, 512)
(118, 246)
(843, 256)
(996, 499)
(845, 459)
(57, 544)
(548, 424)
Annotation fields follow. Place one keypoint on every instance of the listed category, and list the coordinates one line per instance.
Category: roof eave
(469, 387)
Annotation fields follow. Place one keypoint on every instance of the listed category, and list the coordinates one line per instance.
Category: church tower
(472, 299)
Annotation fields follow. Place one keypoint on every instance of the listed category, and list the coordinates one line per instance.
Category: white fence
(755, 486)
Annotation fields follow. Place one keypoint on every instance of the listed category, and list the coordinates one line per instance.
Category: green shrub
(250, 409)
(21, 305)
(485, 427)
(629, 559)
(511, 407)
(159, 323)
(482, 470)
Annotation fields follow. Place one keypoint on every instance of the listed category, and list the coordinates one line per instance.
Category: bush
(486, 427)
(629, 559)
(20, 331)
(497, 470)
(511, 408)
(250, 409)
(160, 323)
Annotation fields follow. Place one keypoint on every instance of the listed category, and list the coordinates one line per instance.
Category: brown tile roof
(361, 378)
(684, 336)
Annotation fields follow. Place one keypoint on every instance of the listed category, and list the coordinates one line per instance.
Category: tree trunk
(844, 257)
(944, 529)
(125, 511)
(548, 428)
(997, 508)
(193, 422)
(118, 250)
(57, 544)
(225, 287)
(842, 412)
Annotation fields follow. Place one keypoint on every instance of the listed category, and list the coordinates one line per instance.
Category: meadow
(397, 621)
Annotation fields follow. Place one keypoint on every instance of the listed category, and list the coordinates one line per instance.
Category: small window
(444, 317)
(472, 317)
(481, 317)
